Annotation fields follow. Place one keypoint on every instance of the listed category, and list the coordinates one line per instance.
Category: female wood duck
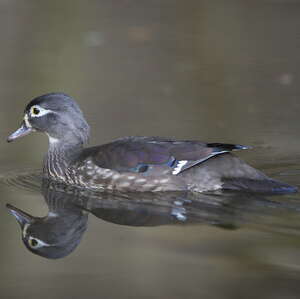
(135, 163)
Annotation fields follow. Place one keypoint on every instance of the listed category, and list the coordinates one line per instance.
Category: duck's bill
(22, 131)
(22, 217)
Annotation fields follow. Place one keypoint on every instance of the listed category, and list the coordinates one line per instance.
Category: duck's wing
(145, 154)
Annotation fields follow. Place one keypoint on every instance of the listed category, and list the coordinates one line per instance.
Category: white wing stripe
(179, 166)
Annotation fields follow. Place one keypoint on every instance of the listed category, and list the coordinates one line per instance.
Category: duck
(135, 163)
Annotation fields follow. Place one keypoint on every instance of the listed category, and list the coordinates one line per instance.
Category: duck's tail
(261, 186)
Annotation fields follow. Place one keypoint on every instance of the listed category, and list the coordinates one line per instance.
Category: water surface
(208, 70)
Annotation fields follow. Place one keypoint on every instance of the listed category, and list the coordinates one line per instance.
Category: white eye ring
(38, 111)
(36, 243)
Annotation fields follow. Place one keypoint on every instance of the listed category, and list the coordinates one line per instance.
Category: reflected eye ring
(33, 243)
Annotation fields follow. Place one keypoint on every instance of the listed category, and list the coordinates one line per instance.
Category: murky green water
(210, 70)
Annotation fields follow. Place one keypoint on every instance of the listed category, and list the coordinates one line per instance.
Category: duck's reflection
(57, 234)
(60, 232)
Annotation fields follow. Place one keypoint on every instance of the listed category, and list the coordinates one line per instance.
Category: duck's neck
(59, 158)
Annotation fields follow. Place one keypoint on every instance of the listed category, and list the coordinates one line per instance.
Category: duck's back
(145, 154)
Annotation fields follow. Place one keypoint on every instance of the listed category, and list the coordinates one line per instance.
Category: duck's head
(57, 115)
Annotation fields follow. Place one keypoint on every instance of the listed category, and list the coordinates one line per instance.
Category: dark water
(218, 71)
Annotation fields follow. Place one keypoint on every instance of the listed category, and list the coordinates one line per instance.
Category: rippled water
(208, 70)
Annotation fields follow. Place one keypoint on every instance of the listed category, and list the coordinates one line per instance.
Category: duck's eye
(33, 243)
(35, 111)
